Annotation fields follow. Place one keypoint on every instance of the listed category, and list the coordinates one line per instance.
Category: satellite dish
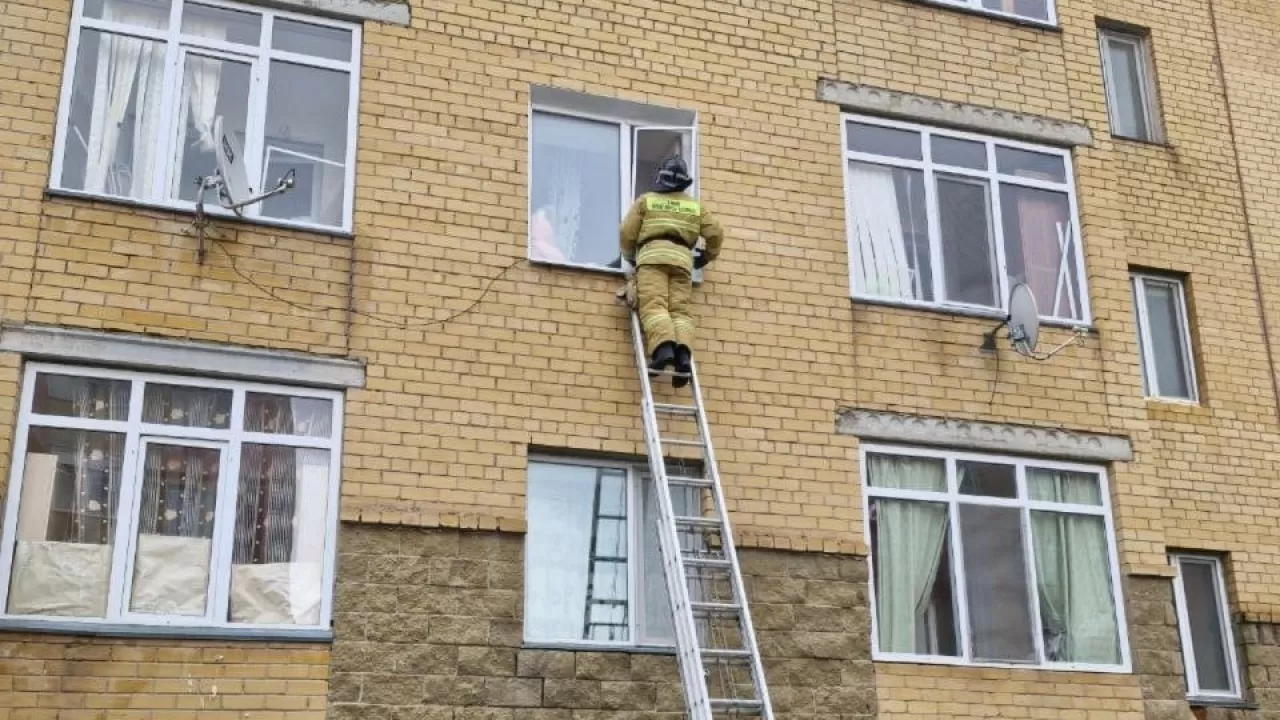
(1024, 320)
(235, 187)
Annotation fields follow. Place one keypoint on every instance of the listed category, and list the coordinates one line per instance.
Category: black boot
(664, 356)
(684, 365)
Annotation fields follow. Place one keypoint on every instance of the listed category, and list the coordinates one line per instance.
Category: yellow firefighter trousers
(664, 294)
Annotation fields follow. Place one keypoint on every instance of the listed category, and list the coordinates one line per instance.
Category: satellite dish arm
(285, 184)
(1080, 333)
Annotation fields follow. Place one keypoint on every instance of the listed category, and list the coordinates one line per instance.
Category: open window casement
(649, 147)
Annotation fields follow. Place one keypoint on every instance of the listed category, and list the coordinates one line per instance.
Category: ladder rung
(675, 409)
(701, 522)
(706, 562)
(606, 601)
(680, 441)
(609, 559)
(715, 608)
(736, 706)
(690, 482)
(669, 373)
(725, 654)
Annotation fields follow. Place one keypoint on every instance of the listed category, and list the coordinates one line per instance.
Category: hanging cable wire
(405, 324)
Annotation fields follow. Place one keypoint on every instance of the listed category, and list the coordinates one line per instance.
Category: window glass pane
(1164, 322)
(576, 554)
(1063, 486)
(186, 406)
(906, 473)
(280, 530)
(66, 523)
(885, 141)
(308, 39)
(996, 584)
(1077, 604)
(651, 148)
(889, 230)
(964, 213)
(306, 131)
(656, 625)
(914, 598)
(114, 117)
(1033, 165)
(176, 511)
(987, 479)
(961, 153)
(1034, 9)
(1040, 248)
(1205, 615)
(575, 188)
(1124, 57)
(213, 91)
(217, 23)
(287, 415)
(80, 397)
(142, 13)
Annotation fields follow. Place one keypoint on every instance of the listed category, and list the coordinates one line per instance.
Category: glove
(699, 259)
(627, 293)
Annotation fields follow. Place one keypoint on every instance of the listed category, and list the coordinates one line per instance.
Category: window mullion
(997, 231)
(1033, 579)
(126, 508)
(959, 589)
(635, 556)
(933, 223)
(171, 112)
(256, 114)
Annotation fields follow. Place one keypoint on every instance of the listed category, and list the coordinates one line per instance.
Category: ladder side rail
(688, 655)
(730, 549)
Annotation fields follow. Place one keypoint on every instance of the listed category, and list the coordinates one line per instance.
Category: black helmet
(673, 175)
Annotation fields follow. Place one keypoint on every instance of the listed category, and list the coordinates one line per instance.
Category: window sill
(189, 213)
(972, 312)
(592, 647)
(1013, 19)
(960, 663)
(1221, 702)
(123, 630)
(600, 269)
(1161, 144)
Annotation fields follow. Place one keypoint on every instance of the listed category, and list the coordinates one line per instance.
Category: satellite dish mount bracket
(200, 225)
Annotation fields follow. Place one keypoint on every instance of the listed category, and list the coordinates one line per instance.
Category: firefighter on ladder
(658, 238)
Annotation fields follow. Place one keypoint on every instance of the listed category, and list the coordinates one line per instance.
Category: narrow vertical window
(1164, 337)
(1208, 648)
(1127, 75)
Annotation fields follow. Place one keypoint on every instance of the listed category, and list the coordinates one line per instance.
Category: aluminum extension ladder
(718, 657)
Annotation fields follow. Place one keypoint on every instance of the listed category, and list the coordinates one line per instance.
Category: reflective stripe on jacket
(663, 228)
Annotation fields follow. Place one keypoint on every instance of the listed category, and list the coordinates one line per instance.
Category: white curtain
(1077, 607)
(201, 80)
(557, 548)
(127, 69)
(880, 251)
(910, 536)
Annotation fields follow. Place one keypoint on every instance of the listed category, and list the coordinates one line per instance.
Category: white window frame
(177, 45)
(1150, 378)
(994, 180)
(636, 581)
(952, 498)
(976, 6)
(137, 433)
(1224, 620)
(1146, 85)
(627, 131)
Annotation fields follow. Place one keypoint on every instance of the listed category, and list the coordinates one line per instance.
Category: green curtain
(910, 536)
(1077, 606)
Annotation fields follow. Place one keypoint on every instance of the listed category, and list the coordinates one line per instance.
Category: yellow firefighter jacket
(662, 229)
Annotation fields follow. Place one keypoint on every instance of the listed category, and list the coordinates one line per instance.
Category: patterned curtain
(96, 486)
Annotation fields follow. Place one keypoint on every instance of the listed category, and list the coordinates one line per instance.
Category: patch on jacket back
(661, 204)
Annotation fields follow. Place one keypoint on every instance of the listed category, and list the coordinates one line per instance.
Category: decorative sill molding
(968, 435)
(123, 630)
(181, 356)
(932, 111)
(394, 12)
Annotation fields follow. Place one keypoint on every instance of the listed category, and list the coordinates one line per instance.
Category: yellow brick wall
(442, 431)
(45, 677)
